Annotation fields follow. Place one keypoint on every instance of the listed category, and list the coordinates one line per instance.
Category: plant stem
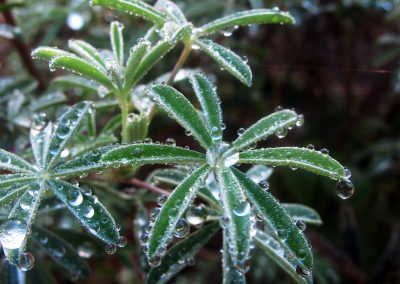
(124, 105)
(140, 183)
(182, 59)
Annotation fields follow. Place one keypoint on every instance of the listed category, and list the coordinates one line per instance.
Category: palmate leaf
(67, 125)
(87, 52)
(227, 59)
(117, 42)
(88, 210)
(277, 254)
(61, 252)
(302, 212)
(265, 127)
(173, 209)
(83, 68)
(15, 231)
(175, 259)
(210, 103)
(237, 214)
(179, 108)
(11, 162)
(279, 221)
(302, 158)
(245, 18)
(136, 7)
(11, 179)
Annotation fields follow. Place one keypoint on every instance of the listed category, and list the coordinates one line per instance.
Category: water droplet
(155, 260)
(64, 153)
(223, 126)
(344, 189)
(310, 147)
(243, 266)
(278, 108)
(188, 132)
(26, 261)
(300, 120)
(281, 132)
(282, 234)
(62, 131)
(196, 216)
(182, 229)
(88, 212)
(39, 121)
(144, 238)
(215, 134)
(240, 131)
(12, 233)
(242, 209)
(324, 151)
(25, 205)
(264, 184)
(302, 271)
(122, 241)
(111, 248)
(224, 222)
(148, 140)
(154, 213)
(75, 198)
(347, 173)
(301, 225)
(190, 261)
(170, 142)
(161, 200)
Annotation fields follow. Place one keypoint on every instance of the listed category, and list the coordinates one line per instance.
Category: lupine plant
(44, 178)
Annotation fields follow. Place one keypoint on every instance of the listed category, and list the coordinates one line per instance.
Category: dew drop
(182, 229)
(240, 131)
(242, 209)
(154, 213)
(301, 225)
(281, 132)
(144, 238)
(310, 147)
(170, 142)
(196, 216)
(300, 120)
(190, 261)
(161, 200)
(282, 234)
(75, 198)
(148, 140)
(26, 261)
(155, 260)
(344, 189)
(301, 271)
(224, 222)
(39, 121)
(324, 151)
(122, 241)
(88, 212)
(111, 248)
(12, 234)
(188, 132)
(347, 173)
(264, 184)
(215, 134)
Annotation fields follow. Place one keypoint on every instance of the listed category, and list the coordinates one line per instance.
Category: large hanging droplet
(12, 234)
(26, 261)
(182, 229)
(301, 225)
(344, 189)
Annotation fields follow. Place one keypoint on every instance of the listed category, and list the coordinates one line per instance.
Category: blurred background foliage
(339, 66)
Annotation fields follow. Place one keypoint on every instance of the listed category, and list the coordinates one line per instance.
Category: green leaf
(142, 154)
(265, 127)
(230, 274)
(210, 103)
(302, 158)
(48, 100)
(15, 231)
(10, 179)
(67, 125)
(40, 141)
(72, 81)
(88, 162)
(117, 42)
(180, 109)
(172, 10)
(11, 162)
(172, 262)
(48, 53)
(16, 191)
(302, 212)
(136, 7)
(135, 57)
(61, 252)
(9, 6)
(88, 210)
(278, 220)
(87, 52)
(236, 220)
(83, 68)
(276, 252)
(245, 18)
(227, 60)
(173, 209)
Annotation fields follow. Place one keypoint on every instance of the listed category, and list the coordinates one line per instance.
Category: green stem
(124, 105)
(182, 59)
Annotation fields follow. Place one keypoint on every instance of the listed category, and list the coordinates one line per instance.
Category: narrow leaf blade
(88, 210)
(40, 141)
(278, 220)
(209, 101)
(237, 214)
(12, 179)
(11, 162)
(173, 209)
(172, 263)
(265, 127)
(48, 53)
(87, 52)
(136, 7)
(61, 252)
(68, 81)
(302, 212)
(230, 273)
(302, 158)
(135, 57)
(117, 42)
(228, 60)
(245, 18)
(83, 68)
(178, 107)
(172, 11)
